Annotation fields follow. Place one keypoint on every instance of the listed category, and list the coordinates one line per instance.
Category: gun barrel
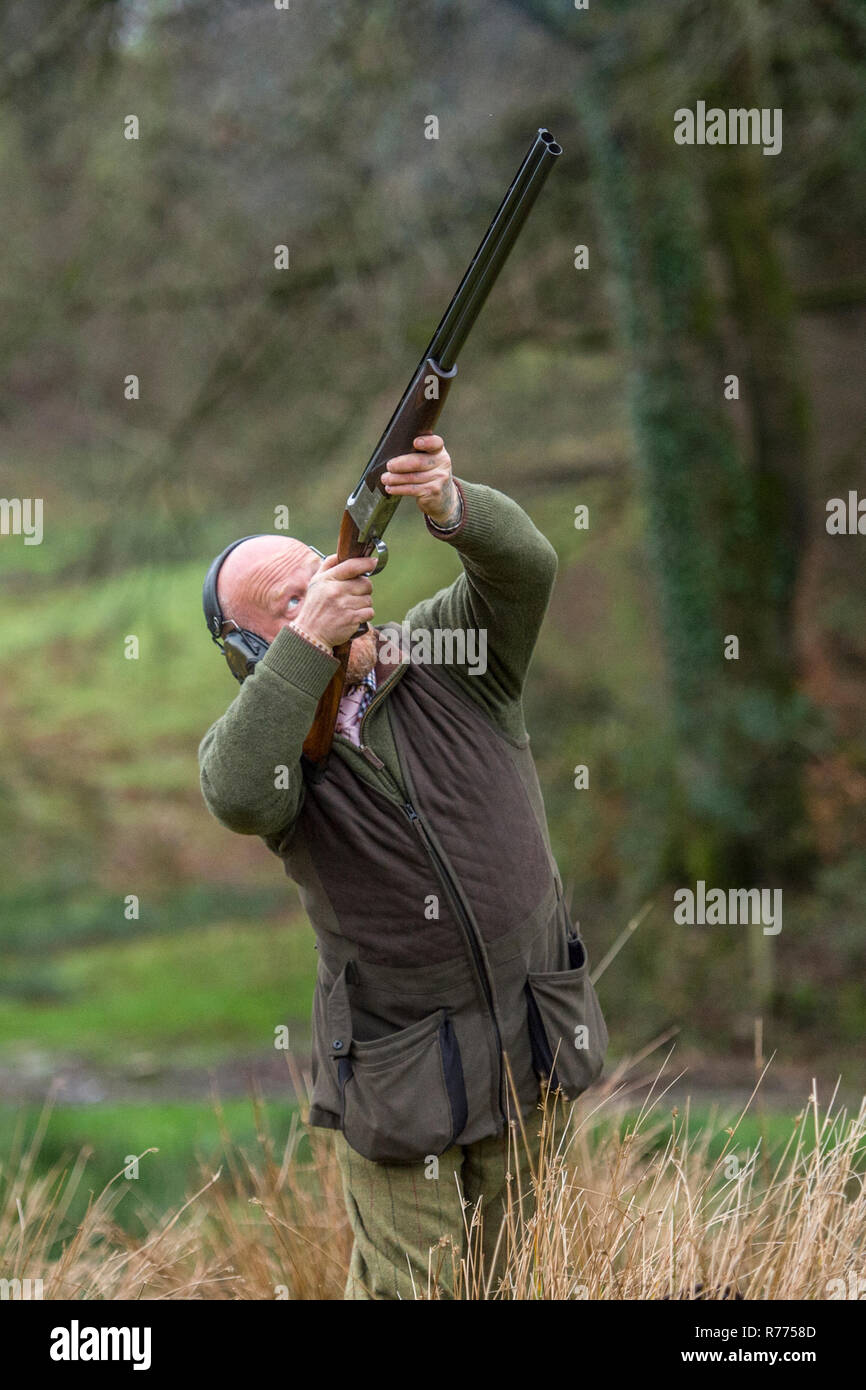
(478, 271)
(467, 304)
(477, 282)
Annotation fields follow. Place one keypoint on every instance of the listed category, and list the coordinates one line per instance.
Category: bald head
(262, 583)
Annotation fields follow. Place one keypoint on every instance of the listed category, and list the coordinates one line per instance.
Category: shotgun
(369, 508)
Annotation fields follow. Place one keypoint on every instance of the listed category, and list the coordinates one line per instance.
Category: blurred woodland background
(261, 388)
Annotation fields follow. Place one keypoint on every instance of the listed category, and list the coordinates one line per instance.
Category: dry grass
(617, 1210)
(643, 1212)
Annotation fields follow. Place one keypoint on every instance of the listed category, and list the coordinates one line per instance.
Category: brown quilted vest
(443, 938)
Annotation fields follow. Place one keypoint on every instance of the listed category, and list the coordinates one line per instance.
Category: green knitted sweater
(250, 758)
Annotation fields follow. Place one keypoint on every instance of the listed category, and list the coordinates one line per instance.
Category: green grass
(764, 1129)
(184, 1135)
(206, 993)
(39, 919)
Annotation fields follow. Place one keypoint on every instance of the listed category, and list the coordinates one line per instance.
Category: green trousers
(414, 1224)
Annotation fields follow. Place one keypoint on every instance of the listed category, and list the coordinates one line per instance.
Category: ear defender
(241, 648)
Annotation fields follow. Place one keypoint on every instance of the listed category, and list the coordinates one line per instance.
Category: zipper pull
(371, 757)
(410, 813)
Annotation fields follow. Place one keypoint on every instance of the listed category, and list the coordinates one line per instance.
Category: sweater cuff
(452, 532)
(479, 517)
(300, 663)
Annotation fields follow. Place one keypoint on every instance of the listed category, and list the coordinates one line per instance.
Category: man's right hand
(337, 600)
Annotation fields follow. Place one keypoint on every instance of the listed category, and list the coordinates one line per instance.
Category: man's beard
(362, 656)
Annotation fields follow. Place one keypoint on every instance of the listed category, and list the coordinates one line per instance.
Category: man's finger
(412, 489)
(414, 463)
(429, 442)
(429, 478)
(352, 568)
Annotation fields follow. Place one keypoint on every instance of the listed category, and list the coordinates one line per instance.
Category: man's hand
(337, 600)
(426, 476)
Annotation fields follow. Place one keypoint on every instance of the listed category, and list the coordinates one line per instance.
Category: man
(423, 861)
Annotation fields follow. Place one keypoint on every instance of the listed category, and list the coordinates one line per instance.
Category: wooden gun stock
(317, 744)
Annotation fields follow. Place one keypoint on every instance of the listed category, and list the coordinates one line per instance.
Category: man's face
(263, 585)
(364, 648)
(285, 602)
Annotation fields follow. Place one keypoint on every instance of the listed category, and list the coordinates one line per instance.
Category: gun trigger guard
(380, 550)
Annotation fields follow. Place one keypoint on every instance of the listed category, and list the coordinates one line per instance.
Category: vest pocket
(403, 1097)
(566, 1027)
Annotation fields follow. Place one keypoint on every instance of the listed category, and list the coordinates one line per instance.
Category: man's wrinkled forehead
(265, 564)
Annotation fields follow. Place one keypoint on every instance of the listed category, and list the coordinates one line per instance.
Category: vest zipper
(443, 873)
(452, 889)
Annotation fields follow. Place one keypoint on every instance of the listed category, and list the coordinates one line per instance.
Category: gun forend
(369, 506)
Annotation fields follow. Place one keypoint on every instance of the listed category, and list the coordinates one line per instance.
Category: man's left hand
(426, 476)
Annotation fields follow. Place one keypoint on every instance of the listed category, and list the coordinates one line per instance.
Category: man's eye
(293, 602)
